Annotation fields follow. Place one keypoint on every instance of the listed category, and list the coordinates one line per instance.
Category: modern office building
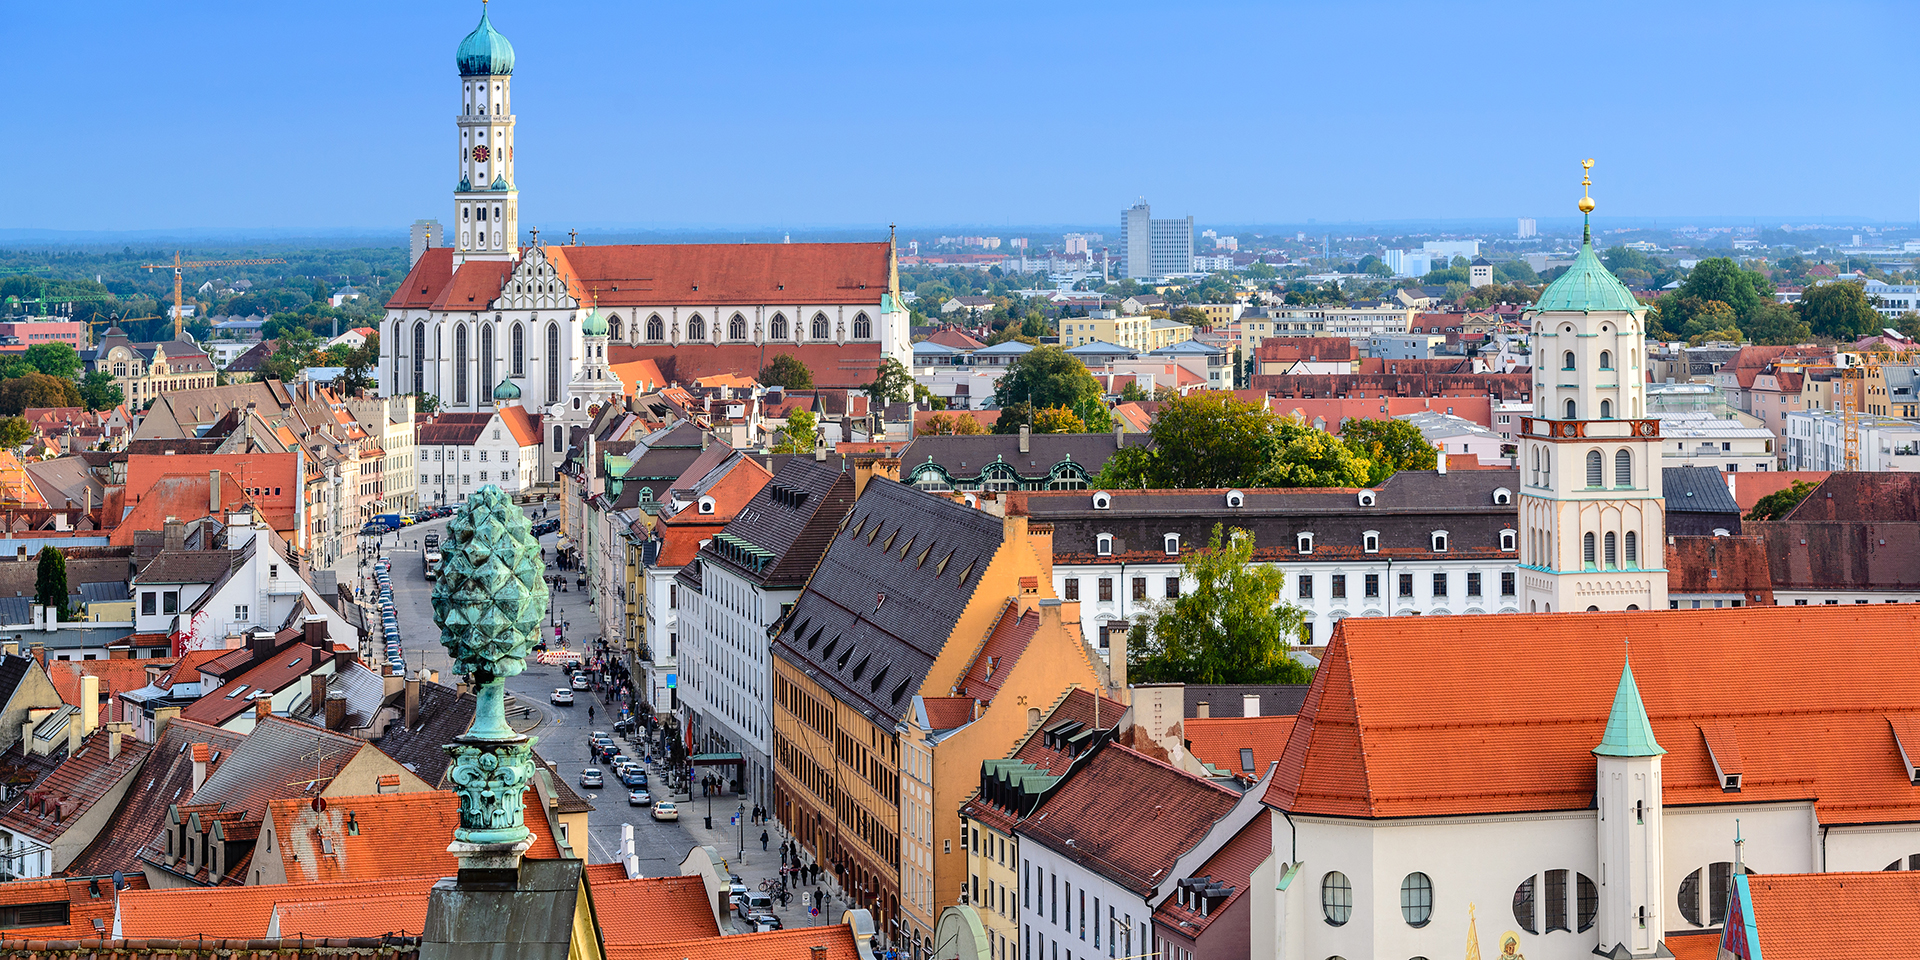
(1154, 248)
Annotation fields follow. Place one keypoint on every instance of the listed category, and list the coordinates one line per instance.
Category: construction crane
(94, 340)
(179, 266)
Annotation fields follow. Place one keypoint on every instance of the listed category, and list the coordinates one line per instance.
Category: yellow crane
(179, 266)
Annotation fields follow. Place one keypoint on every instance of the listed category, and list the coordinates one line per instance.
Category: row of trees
(1213, 440)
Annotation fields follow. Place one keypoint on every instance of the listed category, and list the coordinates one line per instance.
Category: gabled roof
(166, 779)
(723, 274)
(423, 283)
(1396, 705)
(1697, 490)
(1223, 743)
(49, 809)
(272, 675)
(379, 836)
(1231, 866)
(831, 942)
(90, 901)
(651, 909)
(845, 366)
(782, 532)
(245, 912)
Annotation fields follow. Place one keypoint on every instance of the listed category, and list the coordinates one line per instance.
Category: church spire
(1586, 202)
(1629, 732)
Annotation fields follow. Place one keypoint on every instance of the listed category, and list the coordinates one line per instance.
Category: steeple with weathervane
(486, 204)
(1631, 921)
(1592, 511)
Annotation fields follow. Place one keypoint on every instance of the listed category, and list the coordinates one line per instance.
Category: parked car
(639, 798)
(580, 681)
(592, 777)
(562, 697)
(665, 810)
(736, 893)
(764, 922)
(759, 903)
(633, 778)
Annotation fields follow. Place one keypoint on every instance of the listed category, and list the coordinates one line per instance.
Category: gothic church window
(460, 364)
(656, 329)
(486, 356)
(862, 327)
(518, 338)
(419, 357)
(779, 327)
(613, 328)
(553, 362)
(737, 328)
(819, 326)
(696, 328)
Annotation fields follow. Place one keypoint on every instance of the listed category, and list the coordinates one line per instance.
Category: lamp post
(741, 819)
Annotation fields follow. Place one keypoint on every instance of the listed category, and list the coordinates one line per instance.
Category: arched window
(460, 364)
(696, 328)
(1633, 549)
(613, 328)
(862, 327)
(778, 328)
(553, 362)
(737, 328)
(1566, 360)
(1416, 899)
(486, 356)
(1606, 409)
(1613, 552)
(819, 326)
(1595, 471)
(419, 357)
(656, 329)
(1606, 360)
(1586, 548)
(120, 370)
(556, 439)
(1570, 411)
(1623, 469)
(1172, 544)
(1336, 898)
(517, 345)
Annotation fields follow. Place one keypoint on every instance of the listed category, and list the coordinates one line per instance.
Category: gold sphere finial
(1586, 185)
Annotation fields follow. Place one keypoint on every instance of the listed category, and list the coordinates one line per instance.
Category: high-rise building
(1154, 248)
(1527, 228)
(425, 235)
(1592, 511)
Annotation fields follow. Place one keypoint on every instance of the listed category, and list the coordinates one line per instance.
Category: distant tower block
(426, 234)
(1527, 228)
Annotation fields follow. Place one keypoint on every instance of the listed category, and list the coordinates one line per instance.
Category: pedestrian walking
(763, 841)
(589, 714)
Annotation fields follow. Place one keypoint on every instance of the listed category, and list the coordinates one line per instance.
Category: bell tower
(486, 215)
(1630, 807)
(1592, 511)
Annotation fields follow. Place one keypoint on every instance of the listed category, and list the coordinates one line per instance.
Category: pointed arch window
(517, 348)
(1595, 471)
(656, 329)
(737, 328)
(486, 356)
(553, 362)
(394, 345)
(819, 326)
(862, 327)
(1623, 468)
(613, 328)
(460, 364)
(696, 328)
(1633, 549)
(778, 328)
(419, 357)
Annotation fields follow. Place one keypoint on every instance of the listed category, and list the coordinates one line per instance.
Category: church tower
(1592, 512)
(593, 382)
(486, 215)
(1632, 917)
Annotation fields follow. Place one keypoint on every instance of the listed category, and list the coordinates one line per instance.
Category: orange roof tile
(375, 836)
(1810, 914)
(475, 285)
(1748, 488)
(794, 944)
(1397, 702)
(1217, 741)
(727, 273)
(117, 676)
(88, 899)
(403, 914)
(652, 909)
(638, 376)
(424, 282)
(524, 426)
(191, 913)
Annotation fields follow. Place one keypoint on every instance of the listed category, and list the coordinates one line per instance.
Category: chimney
(433, 676)
(76, 732)
(317, 692)
(1117, 661)
(1442, 462)
(413, 701)
(336, 711)
(1250, 705)
(314, 631)
(819, 452)
(115, 731)
(89, 704)
(12, 648)
(389, 683)
(163, 716)
(1204, 710)
(1026, 438)
(213, 492)
(175, 537)
(262, 708)
(201, 753)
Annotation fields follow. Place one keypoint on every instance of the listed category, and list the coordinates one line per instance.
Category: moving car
(580, 681)
(665, 810)
(639, 798)
(562, 697)
(592, 777)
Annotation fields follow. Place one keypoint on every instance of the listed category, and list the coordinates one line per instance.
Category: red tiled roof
(73, 787)
(638, 376)
(424, 282)
(1128, 817)
(1720, 565)
(794, 944)
(1398, 702)
(725, 274)
(88, 899)
(950, 336)
(842, 366)
(1806, 915)
(652, 909)
(949, 713)
(1748, 488)
(1295, 349)
(1232, 864)
(118, 675)
(524, 426)
(392, 835)
(191, 913)
(476, 283)
(181, 496)
(1010, 636)
(276, 673)
(1217, 741)
(402, 914)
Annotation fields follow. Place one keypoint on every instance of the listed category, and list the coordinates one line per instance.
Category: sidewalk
(756, 865)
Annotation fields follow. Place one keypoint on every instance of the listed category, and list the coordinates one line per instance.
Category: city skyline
(938, 117)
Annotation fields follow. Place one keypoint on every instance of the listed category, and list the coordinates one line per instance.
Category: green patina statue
(489, 602)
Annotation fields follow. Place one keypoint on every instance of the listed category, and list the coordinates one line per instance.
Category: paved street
(563, 731)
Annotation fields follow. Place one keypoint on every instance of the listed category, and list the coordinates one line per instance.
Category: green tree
(1839, 310)
(1046, 376)
(800, 435)
(1723, 335)
(1035, 326)
(1227, 626)
(952, 425)
(1776, 505)
(1212, 439)
(292, 352)
(1707, 316)
(1057, 420)
(37, 390)
(1133, 392)
(893, 384)
(50, 581)
(54, 360)
(427, 403)
(15, 432)
(1775, 324)
(1390, 446)
(1715, 278)
(1193, 317)
(786, 370)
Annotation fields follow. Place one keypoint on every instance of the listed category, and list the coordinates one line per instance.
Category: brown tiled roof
(189, 566)
(165, 780)
(276, 673)
(651, 909)
(949, 713)
(1008, 640)
(725, 274)
(117, 676)
(1128, 817)
(48, 810)
(1232, 865)
(1720, 565)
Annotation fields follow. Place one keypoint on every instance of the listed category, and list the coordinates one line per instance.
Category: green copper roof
(1586, 287)
(484, 53)
(595, 325)
(1629, 732)
(507, 390)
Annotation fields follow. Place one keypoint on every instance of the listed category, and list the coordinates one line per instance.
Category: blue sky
(339, 115)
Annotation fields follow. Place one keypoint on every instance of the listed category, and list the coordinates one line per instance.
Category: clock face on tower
(480, 153)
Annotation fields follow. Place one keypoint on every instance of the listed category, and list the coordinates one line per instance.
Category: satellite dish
(119, 880)
(319, 804)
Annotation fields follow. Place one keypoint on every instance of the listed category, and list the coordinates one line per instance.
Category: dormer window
(1173, 544)
(706, 505)
(1306, 542)
(1103, 545)
(1370, 541)
(1367, 498)
(1503, 495)
(1439, 541)
(1507, 540)
(1235, 498)
(1102, 500)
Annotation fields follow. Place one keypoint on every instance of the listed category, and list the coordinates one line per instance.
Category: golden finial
(1586, 186)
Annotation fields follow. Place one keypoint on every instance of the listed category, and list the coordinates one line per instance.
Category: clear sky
(328, 115)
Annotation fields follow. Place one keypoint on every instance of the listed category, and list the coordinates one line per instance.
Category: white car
(665, 810)
(562, 697)
(580, 681)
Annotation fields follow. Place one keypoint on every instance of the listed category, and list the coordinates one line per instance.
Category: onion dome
(507, 390)
(595, 325)
(484, 53)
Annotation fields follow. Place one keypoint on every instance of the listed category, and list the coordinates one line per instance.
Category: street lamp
(741, 819)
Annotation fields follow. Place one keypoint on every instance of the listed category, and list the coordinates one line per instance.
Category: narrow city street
(562, 734)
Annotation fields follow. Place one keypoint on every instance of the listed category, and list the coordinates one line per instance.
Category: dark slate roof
(16, 610)
(163, 782)
(1229, 700)
(189, 566)
(781, 533)
(444, 714)
(104, 592)
(965, 456)
(870, 623)
(274, 762)
(12, 670)
(529, 920)
(1697, 490)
